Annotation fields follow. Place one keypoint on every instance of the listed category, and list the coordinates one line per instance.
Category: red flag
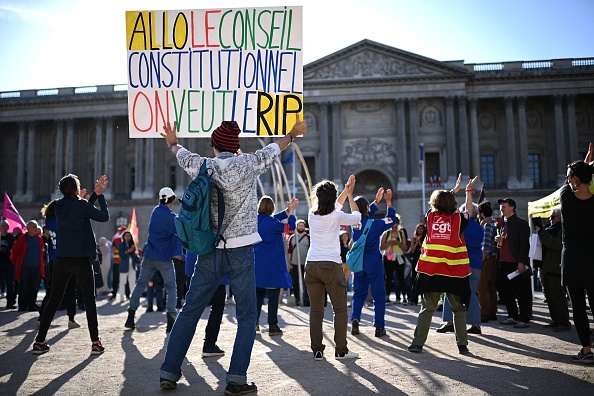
(13, 217)
(133, 226)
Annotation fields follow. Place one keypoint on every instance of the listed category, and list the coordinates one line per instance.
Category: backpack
(193, 225)
(354, 257)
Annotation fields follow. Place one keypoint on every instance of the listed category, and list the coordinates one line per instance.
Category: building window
(488, 170)
(534, 168)
(432, 171)
(172, 177)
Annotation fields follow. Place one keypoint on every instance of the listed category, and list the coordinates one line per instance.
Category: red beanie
(226, 137)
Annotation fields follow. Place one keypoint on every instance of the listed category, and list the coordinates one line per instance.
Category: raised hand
(471, 182)
(292, 205)
(458, 184)
(379, 195)
(170, 134)
(101, 185)
(350, 185)
(389, 197)
(299, 128)
(589, 153)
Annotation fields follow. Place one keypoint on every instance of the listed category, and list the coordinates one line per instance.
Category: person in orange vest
(115, 283)
(443, 266)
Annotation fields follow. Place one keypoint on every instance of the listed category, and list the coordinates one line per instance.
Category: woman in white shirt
(323, 266)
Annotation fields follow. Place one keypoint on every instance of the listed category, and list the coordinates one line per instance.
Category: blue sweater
(271, 264)
(75, 236)
(473, 236)
(162, 243)
(372, 258)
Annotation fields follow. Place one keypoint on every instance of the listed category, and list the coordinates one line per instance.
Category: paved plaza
(503, 361)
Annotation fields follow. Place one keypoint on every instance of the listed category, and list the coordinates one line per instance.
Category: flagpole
(293, 175)
(422, 164)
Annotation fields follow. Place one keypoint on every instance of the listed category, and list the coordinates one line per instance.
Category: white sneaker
(348, 355)
(122, 299)
(73, 324)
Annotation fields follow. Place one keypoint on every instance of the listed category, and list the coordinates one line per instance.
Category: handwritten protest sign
(202, 67)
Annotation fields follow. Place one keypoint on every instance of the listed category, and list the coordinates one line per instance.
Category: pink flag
(13, 217)
(133, 226)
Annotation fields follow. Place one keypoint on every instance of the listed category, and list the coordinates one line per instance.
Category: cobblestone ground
(503, 360)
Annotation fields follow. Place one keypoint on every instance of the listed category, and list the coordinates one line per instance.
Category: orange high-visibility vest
(444, 250)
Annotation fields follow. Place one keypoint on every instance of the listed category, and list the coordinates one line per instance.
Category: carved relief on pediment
(582, 118)
(368, 64)
(366, 153)
(368, 107)
(430, 116)
(487, 121)
(533, 119)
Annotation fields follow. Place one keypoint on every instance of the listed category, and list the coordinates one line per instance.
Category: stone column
(451, 157)
(560, 140)
(401, 143)
(20, 181)
(109, 157)
(138, 173)
(59, 164)
(98, 148)
(30, 164)
(415, 171)
(149, 186)
(324, 153)
(475, 153)
(336, 145)
(572, 129)
(69, 164)
(525, 181)
(464, 146)
(512, 175)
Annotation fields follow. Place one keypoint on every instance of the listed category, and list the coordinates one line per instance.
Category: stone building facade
(369, 106)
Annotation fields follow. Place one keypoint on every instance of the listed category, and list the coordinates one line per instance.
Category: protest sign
(202, 67)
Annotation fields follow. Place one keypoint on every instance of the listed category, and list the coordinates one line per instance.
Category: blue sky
(73, 43)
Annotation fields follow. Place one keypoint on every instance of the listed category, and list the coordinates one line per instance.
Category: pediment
(370, 60)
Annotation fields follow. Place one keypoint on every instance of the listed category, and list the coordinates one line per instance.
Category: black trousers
(28, 287)
(64, 268)
(389, 268)
(518, 289)
(295, 279)
(580, 315)
(217, 307)
(70, 302)
(7, 274)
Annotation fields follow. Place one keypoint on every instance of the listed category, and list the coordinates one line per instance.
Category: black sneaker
(318, 355)
(415, 348)
(380, 331)
(273, 329)
(167, 384)
(170, 322)
(150, 309)
(236, 389)
(209, 351)
(463, 350)
(355, 327)
(40, 348)
(97, 348)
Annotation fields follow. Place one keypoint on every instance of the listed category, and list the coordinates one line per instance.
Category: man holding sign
(236, 175)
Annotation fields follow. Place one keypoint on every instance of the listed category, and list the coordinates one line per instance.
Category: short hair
(485, 209)
(443, 201)
(266, 205)
(362, 204)
(323, 197)
(556, 211)
(300, 221)
(69, 185)
(167, 201)
(581, 170)
(473, 213)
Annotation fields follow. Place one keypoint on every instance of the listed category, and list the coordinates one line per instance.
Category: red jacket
(18, 255)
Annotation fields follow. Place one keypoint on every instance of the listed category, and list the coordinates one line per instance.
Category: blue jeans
(238, 265)
(155, 291)
(473, 315)
(147, 270)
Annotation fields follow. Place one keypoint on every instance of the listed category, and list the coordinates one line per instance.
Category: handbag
(535, 252)
(354, 257)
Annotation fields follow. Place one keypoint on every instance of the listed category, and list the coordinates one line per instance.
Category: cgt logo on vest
(441, 228)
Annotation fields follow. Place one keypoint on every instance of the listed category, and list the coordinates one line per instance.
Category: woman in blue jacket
(373, 266)
(271, 264)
